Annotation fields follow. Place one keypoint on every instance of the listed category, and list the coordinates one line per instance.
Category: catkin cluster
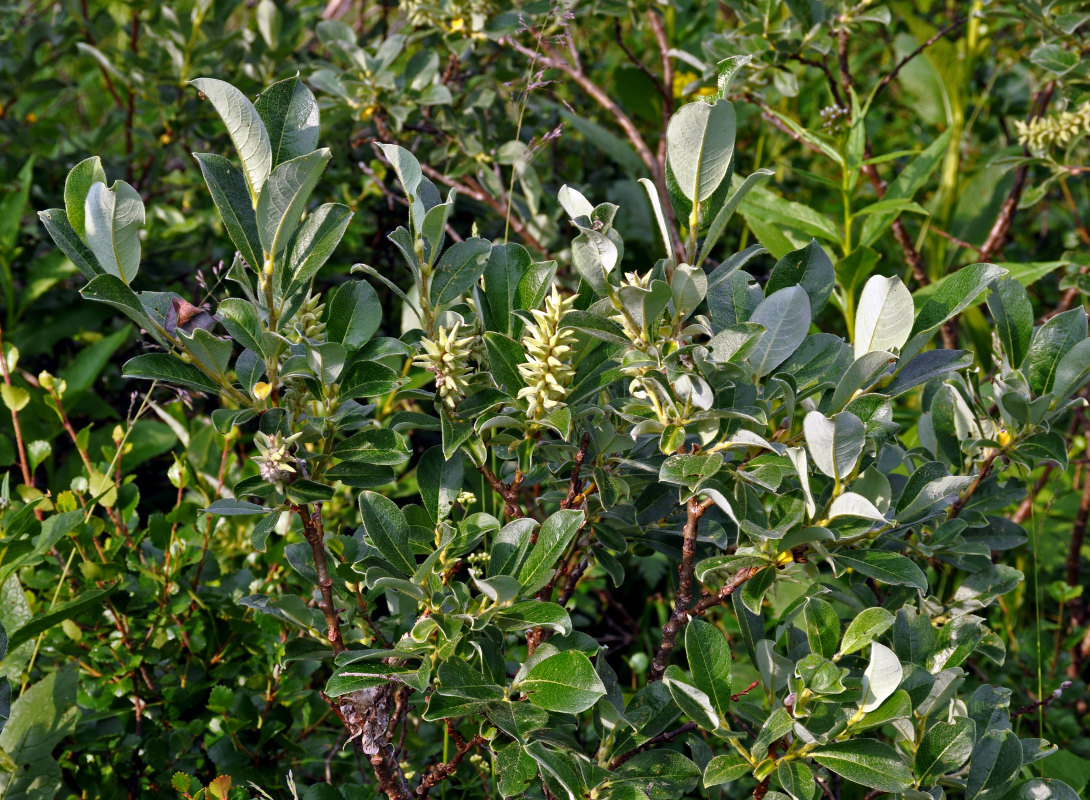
(547, 344)
(308, 319)
(448, 358)
(1041, 134)
(275, 464)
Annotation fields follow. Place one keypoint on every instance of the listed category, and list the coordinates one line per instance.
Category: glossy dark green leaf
(1013, 316)
(944, 748)
(710, 662)
(457, 270)
(1051, 343)
(163, 367)
(385, 529)
(565, 683)
(552, 540)
(867, 762)
(227, 185)
(885, 566)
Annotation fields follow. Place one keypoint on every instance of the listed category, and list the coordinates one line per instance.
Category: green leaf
(923, 367)
(440, 481)
(532, 614)
(796, 778)
(230, 507)
(1013, 315)
(315, 242)
(76, 186)
(552, 540)
(835, 443)
(458, 269)
(686, 469)
(43, 715)
(211, 352)
(692, 702)
(246, 129)
(810, 268)
(885, 566)
(565, 683)
(455, 432)
(785, 316)
(354, 315)
(506, 266)
(504, 356)
(944, 748)
(821, 625)
(726, 211)
(290, 115)
(164, 367)
(663, 774)
(1053, 341)
(69, 243)
(852, 504)
(227, 185)
(284, 196)
(15, 397)
(725, 769)
(996, 760)
(952, 295)
(883, 319)
(1042, 789)
(113, 219)
(240, 319)
(699, 147)
(368, 379)
(907, 183)
(867, 762)
(113, 291)
(1072, 372)
(868, 625)
(62, 611)
(881, 677)
(385, 529)
(710, 662)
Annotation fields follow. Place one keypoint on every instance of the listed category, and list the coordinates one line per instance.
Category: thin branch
(662, 738)
(390, 778)
(889, 78)
(509, 492)
(740, 577)
(441, 772)
(472, 189)
(315, 536)
(619, 38)
(575, 483)
(694, 509)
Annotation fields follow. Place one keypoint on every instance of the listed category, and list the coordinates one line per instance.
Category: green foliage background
(159, 669)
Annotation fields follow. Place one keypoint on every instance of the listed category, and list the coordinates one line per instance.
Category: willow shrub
(811, 490)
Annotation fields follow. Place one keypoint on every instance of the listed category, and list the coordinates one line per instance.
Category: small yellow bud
(31, 118)
(166, 139)
(1003, 438)
(367, 113)
(261, 390)
(118, 434)
(45, 380)
(457, 24)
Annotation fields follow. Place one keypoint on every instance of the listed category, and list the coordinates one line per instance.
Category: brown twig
(662, 738)
(892, 75)
(389, 775)
(985, 470)
(441, 772)
(315, 536)
(508, 491)
(679, 616)
(575, 483)
(711, 600)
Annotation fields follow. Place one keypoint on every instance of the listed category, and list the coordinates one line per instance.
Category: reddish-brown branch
(389, 775)
(662, 738)
(508, 491)
(441, 772)
(575, 483)
(315, 536)
(714, 599)
(679, 616)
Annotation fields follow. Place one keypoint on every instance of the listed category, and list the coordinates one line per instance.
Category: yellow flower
(457, 24)
(31, 118)
(261, 390)
(681, 80)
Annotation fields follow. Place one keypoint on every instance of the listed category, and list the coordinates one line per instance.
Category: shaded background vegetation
(169, 677)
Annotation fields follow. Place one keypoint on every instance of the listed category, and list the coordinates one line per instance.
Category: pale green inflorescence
(448, 358)
(276, 463)
(1043, 133)
(546, 371)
